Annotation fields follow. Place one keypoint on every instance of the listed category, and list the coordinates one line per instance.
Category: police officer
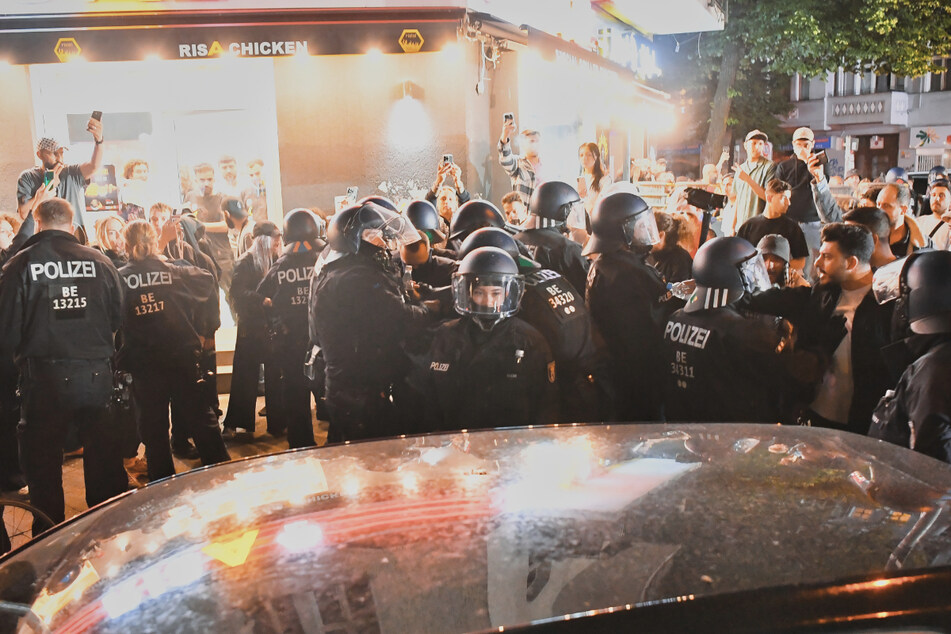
(250, 348)
(556, 309)
(488, 368)
(286, 292)
(473, 215)
(917, 413)
(360, 318)
(425, 218)
(544, 233)
(162, 315)
(722, 365)
(59, 307)
(629, 302)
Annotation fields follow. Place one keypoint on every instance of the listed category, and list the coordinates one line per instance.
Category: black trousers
(295, 395)
(55, 394)
(9, 418)
(361, 413)
(250, 351)
(155, 388)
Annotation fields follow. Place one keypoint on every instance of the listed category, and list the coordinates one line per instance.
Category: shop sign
(931, 137)
(266, 48)
(411, 40)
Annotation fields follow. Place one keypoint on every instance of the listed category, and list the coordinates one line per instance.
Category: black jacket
(629, 303)
(475, 379)
(917, 414)
(244, 297)
(359, 317)
(811, 310)
(58, 300)
(723, 367)
(553, 250)
(162, 313)
(435, 272)
(287, 284)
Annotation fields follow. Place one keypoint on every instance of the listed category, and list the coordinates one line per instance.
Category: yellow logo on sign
(411, 41)
(215, 49)
(67, 48)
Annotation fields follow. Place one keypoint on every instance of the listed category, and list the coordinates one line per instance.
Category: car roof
(491, 529)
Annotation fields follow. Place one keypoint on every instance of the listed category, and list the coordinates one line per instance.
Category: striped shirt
(520, 170)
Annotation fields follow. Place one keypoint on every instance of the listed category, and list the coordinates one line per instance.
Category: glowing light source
(300, 536)
(374, 53)
(452, 52)
(153, 57)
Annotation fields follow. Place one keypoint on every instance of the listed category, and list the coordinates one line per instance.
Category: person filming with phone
(522, 169)
(55, 179)
(802, 207)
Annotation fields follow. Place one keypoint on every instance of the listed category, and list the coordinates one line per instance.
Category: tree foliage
(765, 41)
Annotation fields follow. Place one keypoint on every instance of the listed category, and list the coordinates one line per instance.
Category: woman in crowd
(591, 183)
(134, 191)
(9, 225)
(667, 256)
(109, 239)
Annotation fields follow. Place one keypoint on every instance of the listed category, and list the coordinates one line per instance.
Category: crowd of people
(570, 302)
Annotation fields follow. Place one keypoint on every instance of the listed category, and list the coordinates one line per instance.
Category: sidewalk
(263, 443)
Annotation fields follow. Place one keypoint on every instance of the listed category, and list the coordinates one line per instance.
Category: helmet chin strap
(486, 324)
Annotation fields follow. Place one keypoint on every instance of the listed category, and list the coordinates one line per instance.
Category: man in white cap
(751, 179)
(55, 179)
(802, 206)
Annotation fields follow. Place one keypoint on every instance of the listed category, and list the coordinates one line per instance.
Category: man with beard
(56, 179)
(856, 374)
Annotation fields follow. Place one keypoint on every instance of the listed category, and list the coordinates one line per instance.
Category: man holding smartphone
(55, 179)
(447, 168)
(802, 207)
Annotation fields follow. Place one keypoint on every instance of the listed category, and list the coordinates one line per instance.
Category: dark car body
(587, 528)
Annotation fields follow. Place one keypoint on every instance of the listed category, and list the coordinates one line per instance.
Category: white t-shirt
(834, 396)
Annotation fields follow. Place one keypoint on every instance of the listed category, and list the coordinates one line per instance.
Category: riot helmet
(302, 225)
(725, 269)
(897, 175)
(938, 172)
(382, 201)
(473, 215)
(552, 203)
(424, 217)
(927, 275)
(487, 286)
(621, 220)
(494, 237)
(371, 223)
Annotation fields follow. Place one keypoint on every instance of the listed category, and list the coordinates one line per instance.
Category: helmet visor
(886, 283)
(641, 230)
(489, 295)
(396, 231)
(754, 274)
(575, 216)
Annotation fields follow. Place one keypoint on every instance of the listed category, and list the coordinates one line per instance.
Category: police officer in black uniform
(59, 308)
(360, 318)
(723, 365)
(917, 413)
(556, 309)
(629, 302)
(424, 217)
(544, 233)
(286, 292)
(162, 315)
(473, 215)
(487, 368)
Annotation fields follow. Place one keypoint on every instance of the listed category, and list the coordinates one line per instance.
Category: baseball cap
(756, 134)
(234, 208)
(774, 244)
(49, 143)
(803, 133)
